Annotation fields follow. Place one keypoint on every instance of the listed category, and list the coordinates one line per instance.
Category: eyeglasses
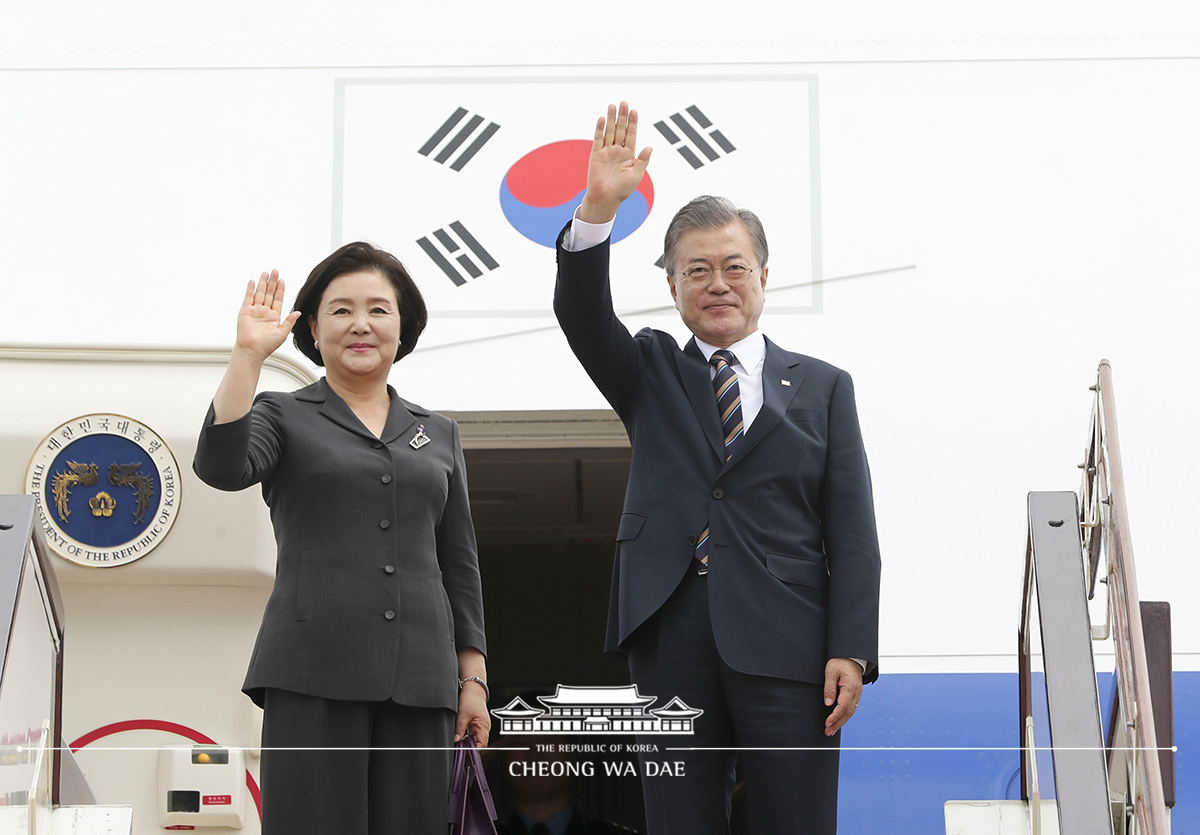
(735, 275)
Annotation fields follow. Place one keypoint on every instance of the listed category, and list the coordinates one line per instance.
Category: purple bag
(471, 808)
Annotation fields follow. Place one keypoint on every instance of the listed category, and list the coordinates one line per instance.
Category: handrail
(19, 531)
(1104, 496)
(1035, 792)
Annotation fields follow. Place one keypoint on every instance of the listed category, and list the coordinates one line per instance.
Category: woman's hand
(260, 330)
(259, 333)
(473, 716)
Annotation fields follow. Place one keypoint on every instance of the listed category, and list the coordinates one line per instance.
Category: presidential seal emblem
(107, 488)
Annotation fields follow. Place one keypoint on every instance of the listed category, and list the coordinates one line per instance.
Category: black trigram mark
(470, 130)
(691, 122)
(463, 248)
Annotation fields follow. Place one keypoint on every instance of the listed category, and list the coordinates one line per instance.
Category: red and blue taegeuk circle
(542, 189)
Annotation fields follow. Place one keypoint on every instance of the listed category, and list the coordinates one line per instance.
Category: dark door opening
(546, 519)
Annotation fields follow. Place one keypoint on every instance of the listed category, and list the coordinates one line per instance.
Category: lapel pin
(420, 439)
(785, 382)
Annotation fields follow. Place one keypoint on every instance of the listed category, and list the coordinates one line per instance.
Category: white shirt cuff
(583, 235)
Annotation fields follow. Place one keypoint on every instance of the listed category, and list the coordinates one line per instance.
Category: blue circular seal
(107, 487)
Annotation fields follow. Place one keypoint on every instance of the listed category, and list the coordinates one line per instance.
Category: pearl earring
(317, 344)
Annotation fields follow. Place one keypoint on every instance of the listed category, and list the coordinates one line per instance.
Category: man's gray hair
(708, 212)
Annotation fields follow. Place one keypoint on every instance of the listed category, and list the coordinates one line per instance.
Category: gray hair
(708, 212)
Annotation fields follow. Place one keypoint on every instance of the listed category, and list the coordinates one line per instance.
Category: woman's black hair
(356, 258)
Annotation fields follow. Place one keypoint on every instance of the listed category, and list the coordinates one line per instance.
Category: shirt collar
(749, 350)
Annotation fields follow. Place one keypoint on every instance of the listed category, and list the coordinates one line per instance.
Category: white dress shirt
(749, 353)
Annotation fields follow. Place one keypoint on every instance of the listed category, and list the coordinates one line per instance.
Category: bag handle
(468, 775)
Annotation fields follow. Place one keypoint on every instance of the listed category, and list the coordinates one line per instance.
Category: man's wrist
(591, 211)
(583, 235)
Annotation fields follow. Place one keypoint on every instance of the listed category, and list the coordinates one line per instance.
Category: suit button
(692, 540)
(378, 445)
(385, 524)
(387, 479)
(389, 614)
(718, 493)
(389, 569)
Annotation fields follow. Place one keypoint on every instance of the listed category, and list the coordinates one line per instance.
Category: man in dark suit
(746, 579)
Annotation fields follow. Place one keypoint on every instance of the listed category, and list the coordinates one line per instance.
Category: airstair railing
(31, 636)
(1135, 771)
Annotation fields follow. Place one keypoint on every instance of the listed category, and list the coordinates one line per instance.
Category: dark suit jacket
(793, 554)
(377, 578)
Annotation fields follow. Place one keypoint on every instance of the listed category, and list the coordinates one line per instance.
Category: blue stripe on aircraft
(902, 792)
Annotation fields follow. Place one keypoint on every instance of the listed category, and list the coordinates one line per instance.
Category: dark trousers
(786, 791)
(324, 769)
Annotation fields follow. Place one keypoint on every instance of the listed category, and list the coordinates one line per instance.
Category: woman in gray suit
(372, 640)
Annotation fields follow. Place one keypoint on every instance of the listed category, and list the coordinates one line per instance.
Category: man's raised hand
(614, 166)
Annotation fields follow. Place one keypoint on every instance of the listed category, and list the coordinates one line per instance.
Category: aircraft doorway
(546, 494)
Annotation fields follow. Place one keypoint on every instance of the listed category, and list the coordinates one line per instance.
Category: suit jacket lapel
(402, 417)
(781, 380)
(697, 382)
(335, 409)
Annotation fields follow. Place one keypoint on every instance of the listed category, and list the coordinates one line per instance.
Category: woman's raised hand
(260, 330)
(259, 333)
(614, 166)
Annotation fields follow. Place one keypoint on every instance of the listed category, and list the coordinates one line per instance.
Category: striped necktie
(729, 400)
(729, 407)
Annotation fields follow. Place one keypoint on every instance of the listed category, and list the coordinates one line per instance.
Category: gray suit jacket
(377, 577)
(793, 553)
